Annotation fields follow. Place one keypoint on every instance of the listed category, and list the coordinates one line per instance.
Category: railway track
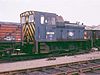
(60, 66)
(78, 68)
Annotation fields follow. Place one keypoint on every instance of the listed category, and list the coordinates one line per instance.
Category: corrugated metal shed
(10, 31)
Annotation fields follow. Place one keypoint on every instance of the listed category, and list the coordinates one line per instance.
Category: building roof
(96, 27)
(92, 27)
(8, 23)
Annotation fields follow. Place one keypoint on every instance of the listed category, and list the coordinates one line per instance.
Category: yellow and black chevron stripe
(28, 28)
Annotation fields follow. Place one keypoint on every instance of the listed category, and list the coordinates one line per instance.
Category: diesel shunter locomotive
(49, 33)
(43, 34)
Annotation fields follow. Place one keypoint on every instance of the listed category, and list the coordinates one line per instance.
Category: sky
(83, 11)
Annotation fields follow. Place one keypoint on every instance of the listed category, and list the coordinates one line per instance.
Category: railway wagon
(45, 32)
(96, 32)
(97, 40)
(10, 37)
(93, 34)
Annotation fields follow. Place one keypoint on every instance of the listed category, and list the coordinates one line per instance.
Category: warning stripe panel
(29, 31)
(28, 28)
